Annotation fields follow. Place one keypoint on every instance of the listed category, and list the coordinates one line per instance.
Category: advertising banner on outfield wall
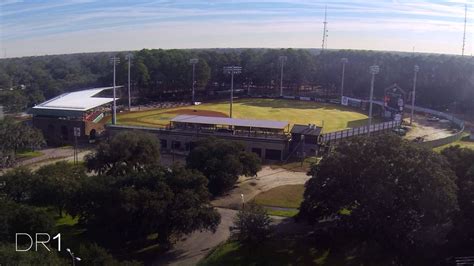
(344, 100)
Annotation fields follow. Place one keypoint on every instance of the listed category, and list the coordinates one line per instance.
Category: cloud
(40, 23)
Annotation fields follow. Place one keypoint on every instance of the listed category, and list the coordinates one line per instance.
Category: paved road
(192, 249)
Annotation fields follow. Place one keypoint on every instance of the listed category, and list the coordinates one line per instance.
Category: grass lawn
(289, 196)
(282, 213)
(464, 142)
(28, 154)
(333, 117)
(72, 235)
(296, 165)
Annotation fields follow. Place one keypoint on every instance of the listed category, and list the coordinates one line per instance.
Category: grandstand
(58, 117)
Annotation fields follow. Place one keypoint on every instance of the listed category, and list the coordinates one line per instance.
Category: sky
(39, 27)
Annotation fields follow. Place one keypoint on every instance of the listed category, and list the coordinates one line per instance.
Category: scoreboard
(394, 102)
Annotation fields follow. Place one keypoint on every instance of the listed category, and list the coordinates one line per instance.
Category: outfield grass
(332, 117)
(289, 196)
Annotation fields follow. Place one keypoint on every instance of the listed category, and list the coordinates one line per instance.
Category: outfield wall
(352, 132)
(332, 136)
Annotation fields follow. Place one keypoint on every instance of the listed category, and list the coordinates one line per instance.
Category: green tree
(386, 190)
(9, 256)
(222, 162)
(56, 184)
(15, 136)
(462, 162)
(252, 225)
(124, 153)
(167, 201)
(18, 184)
(13, 101)
(20, 218)
(93, 254)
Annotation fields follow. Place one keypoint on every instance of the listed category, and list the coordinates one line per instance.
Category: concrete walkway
(193, 248)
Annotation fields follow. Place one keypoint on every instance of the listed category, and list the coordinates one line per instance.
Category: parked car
(433, 119)
(399, 131)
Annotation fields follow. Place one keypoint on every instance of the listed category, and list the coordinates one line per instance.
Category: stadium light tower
(129, 58)
(374, 70)
(344, 61)
(193, 61)
(282, 59)
(415, 69)
(232, 70)
(115, 60)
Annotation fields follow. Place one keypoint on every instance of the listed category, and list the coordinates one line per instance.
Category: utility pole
(193, 61)
(416, 69)
(129, 58)
(302, 140)
(374, 70)
(344, 62)
(465, 24)
(248, 86)
(282, 59)
(114, 61)
(232, 70)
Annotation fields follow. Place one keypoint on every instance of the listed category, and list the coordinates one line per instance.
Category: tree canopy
(21, 218)
(386, 190)
(444, 81)
(19, 184)
(124, 153)
(252, 225)
(15, 136)
(222, 162)
(462, 162)
(55, 184)
(167, 201)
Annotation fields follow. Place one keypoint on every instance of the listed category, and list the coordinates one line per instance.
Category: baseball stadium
(329, 116)
(273, 128)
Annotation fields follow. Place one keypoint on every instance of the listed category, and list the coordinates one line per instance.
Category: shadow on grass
(298, 244)
(73, 235)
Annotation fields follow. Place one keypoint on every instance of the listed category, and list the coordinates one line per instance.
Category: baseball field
(331, 117)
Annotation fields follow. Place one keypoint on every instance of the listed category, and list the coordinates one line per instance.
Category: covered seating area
(232, 126)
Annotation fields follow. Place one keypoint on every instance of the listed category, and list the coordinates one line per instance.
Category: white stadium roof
(209, 120)
(76, 101)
